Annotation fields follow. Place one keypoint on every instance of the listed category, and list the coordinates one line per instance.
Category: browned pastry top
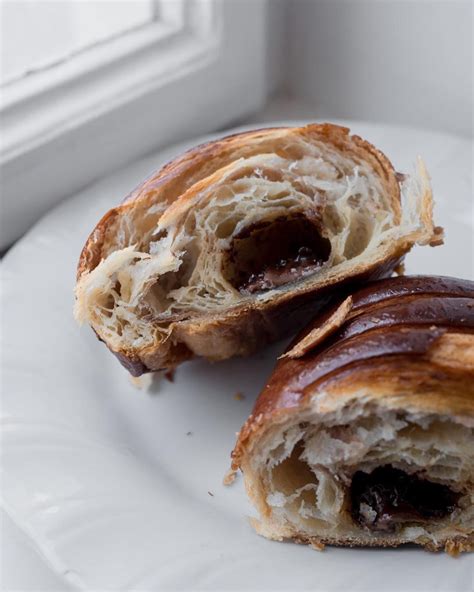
(389, 333)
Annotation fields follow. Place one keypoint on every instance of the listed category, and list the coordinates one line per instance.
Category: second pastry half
(364, 433)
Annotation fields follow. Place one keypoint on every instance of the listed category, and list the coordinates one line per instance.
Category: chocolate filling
(388, 496)
(271, 254)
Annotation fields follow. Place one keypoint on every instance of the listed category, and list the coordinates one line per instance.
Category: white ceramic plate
(113, 484)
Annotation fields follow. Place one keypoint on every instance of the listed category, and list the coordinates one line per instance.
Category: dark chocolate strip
(395, 497)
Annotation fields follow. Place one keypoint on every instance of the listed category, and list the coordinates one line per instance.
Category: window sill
(167, 82)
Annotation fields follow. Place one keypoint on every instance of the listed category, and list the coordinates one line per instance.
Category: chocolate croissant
(227, 247)
(364, 433)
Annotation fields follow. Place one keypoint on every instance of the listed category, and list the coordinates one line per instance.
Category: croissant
(229, 246)
(364, 433)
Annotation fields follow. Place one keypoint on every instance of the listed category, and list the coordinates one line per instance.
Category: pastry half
(229, 246)
(364, 434)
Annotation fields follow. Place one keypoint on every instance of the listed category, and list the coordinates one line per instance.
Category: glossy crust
(246, 327)
(405, 343)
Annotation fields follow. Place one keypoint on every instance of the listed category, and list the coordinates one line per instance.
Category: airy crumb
(229, 477)
(239, 396)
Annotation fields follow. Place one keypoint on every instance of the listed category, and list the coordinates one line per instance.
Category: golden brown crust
(91, 253)
(415, 358)
(243, 329)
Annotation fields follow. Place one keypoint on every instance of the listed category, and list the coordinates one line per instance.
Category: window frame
(53, 11)
(71, 123)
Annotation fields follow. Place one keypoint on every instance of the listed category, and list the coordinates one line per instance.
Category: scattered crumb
(189, 433)
(317, 546)
(142, 382)
(400, 269)
(169, 375)
(401, 177)
(229, 477)
(438, 238)
(453, 548)
(210, 493)
(239, 396)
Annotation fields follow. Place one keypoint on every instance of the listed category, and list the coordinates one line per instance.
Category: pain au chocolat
(364, 433)
(229, 246)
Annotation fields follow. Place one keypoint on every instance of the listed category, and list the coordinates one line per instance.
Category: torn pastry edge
(318, 334)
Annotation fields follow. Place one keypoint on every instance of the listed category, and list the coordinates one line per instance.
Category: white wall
(276, 31)
(383, 60)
